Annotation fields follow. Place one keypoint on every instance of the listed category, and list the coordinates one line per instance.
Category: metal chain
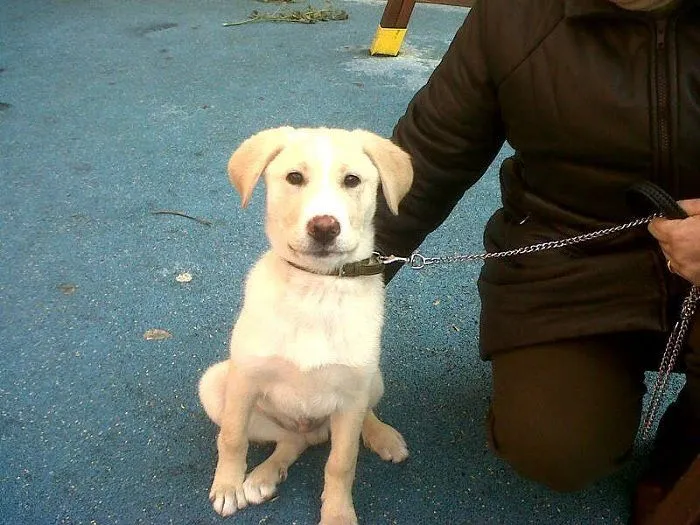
(675, 342)
(673, 348)
(417, 261)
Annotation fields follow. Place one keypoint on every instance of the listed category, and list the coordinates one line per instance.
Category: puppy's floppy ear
(392, 163)
(249, 161)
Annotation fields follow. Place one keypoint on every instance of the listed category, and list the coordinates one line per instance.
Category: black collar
(369, 266)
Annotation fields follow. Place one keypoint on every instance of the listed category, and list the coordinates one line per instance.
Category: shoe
(655, 504)
(646, 499)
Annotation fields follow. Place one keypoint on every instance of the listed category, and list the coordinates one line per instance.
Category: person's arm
(680, 241)
(453, 130)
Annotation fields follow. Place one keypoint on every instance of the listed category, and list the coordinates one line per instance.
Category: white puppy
(304, 355)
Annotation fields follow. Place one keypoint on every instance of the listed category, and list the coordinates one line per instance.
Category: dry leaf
(156, 334)
(67, 288)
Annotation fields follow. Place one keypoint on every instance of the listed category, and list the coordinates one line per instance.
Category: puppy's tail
(212, 388)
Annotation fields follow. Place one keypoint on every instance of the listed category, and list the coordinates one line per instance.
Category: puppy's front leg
(226, 493)
(337, 507)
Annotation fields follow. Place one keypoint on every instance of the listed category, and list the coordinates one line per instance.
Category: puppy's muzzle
(323, 229)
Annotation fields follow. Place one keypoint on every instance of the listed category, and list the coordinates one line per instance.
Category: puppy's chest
(288, 392)
(327, 314)
(315, 323)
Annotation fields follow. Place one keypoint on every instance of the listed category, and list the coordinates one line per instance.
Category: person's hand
(680, 241)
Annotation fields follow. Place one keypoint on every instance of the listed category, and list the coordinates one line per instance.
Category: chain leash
(673, 348)
(676, 340)
(417, 261)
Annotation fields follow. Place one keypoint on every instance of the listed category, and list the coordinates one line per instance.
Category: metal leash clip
(390, 259)
(416, 261)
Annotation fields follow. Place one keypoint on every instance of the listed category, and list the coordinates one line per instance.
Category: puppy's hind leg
(212, 389)
(261, 483)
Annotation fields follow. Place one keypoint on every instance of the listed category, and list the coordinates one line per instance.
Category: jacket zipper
(663, 175)
(663, 138)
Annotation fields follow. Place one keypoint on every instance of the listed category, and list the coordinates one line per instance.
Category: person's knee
(563, 462)
(556, 469)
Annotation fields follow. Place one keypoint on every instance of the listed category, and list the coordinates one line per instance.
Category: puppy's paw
(227, 498)
(261, 483)
(386, 441)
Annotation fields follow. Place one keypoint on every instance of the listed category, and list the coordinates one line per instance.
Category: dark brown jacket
(592, 98)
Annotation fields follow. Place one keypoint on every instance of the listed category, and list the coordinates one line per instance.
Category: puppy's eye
(351, 181)
(295, 178)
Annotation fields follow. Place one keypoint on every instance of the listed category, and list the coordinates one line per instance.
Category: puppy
(304, 352)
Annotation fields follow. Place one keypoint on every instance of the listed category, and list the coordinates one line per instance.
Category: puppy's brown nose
(323, 228)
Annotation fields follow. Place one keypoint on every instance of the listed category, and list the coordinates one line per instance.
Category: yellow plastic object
(387, 41)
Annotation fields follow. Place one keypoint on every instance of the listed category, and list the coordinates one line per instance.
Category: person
(593, 96)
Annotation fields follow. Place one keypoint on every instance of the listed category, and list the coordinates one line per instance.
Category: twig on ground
(182, 214)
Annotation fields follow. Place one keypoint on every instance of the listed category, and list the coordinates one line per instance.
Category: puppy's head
(321, 189)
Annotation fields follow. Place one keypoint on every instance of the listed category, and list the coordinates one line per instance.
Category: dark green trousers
(566, 414)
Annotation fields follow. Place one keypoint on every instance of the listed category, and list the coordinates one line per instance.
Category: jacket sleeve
(452, 129)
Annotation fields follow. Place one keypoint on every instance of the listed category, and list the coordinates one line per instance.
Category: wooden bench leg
(392, 27)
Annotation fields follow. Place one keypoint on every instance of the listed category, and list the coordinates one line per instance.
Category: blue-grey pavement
(111, 110)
